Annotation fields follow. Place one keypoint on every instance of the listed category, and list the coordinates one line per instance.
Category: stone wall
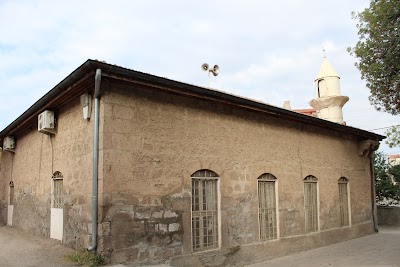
(37, 156)
(154, 142)
(389, 216)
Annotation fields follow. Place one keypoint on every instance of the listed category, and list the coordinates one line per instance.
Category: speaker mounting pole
(214, 71)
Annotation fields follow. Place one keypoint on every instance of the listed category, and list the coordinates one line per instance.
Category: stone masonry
(155, 141)
(152, 139)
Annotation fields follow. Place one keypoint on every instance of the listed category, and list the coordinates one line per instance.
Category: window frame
(344, 181)
(57, 201)
(310, 179)
(263, 180)
(199, 176)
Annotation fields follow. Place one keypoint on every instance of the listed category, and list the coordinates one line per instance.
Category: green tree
(378, 53)
(394, 171)
(393, 136)
(385, 188)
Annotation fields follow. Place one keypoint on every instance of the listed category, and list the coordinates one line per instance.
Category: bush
(386, 180)
(86, 258)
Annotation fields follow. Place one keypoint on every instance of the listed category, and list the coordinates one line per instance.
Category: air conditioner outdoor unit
(46, 122)
(9, 143)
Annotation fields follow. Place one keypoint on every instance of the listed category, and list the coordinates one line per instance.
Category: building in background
(307, 111)
(394, 159)
(144, 169)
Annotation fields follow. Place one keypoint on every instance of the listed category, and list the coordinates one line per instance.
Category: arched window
(205, 185)
(57, 196)
(319, 88)
(267, 206)
(344, 201)
(11, 195)
(311, 203)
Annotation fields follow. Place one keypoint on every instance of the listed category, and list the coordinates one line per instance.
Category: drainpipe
(373, 192)
(97, 81)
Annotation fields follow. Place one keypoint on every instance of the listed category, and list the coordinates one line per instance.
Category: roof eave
(38, 105)
(182, 88)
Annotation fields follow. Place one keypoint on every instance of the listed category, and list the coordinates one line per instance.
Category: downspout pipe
(373, 192)
(97, 81)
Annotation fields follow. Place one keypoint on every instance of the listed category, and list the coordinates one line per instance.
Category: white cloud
(270, 51)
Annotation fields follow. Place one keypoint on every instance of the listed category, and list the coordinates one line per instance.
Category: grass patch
(86, 258)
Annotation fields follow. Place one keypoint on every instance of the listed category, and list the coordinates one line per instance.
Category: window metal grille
(204, 210)
(343, 200)
(57, 190)
(267, 207)
(11, 193)
(311, 203)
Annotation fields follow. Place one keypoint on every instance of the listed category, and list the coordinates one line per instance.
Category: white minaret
(328, 101)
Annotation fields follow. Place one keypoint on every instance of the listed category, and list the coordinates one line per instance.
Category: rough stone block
(174, 227)
(157, 214)
(142, 215)
(105, 228)
(170, 214)
(162, 227)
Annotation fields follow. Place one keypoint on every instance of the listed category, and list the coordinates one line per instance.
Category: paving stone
(381, 249)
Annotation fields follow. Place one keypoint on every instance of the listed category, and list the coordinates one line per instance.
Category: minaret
(328, 101)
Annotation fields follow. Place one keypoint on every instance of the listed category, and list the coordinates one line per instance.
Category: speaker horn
(215, 70)
(205, 67)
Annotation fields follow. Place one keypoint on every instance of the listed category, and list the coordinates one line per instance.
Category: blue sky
(267, 50)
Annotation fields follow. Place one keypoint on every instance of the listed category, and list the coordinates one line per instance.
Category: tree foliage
(393, 136)
(385, 175)
(378, 53)
(394, 171)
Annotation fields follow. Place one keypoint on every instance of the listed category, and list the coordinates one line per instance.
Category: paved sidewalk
(381, 249)
(19, 248)
(22, 249)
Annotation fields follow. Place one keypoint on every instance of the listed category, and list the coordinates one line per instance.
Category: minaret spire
(328, 101)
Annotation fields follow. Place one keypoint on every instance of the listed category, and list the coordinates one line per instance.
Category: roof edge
(70, 79)
(186, 89)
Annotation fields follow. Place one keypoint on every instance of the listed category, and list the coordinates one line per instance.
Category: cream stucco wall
(154, 141)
